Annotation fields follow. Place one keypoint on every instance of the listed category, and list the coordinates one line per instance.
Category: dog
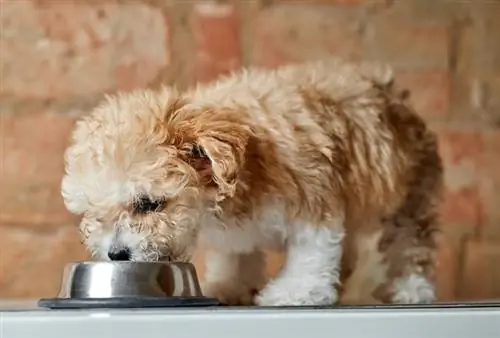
(325, 160)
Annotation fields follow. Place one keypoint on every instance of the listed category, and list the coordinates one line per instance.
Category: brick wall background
(57, 58)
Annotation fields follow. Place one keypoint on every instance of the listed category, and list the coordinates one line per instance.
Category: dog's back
(331, 128)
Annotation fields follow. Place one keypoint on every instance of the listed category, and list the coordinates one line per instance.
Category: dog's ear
(218, 157)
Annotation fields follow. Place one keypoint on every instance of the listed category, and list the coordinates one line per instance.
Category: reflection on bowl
(87, 280)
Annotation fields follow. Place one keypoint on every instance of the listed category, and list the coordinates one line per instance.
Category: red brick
(430, 91)
(462, 206)
(471, 162)
(481, 274)
(486, 20)
(493, 103)
(462, 157)
(32, 262)
(333, 2)
(446, 268)
(296, 33)
(403, 43)
(490, 195)
(468, 86)
(215, 29)
(60, 48)
(477, 79)
(433, 11)
(490, 184)
(458, 146)
(32, 168)
(467, 50)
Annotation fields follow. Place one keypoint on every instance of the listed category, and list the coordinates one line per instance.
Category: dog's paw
(297, 292)
(413, 289)
(230, 294)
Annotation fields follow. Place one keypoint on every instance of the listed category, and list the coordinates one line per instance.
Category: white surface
(251, 323)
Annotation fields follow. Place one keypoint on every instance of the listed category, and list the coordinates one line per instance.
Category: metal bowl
(88, 280)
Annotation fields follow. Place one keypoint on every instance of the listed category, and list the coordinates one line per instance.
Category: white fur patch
(134, 242)
(413, 289)
(311, 272)
(101, 246)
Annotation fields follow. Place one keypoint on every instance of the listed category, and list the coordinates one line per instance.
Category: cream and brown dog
(325, 160)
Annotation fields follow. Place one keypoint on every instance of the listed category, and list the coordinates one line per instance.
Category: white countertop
(408, 322)
(18, 304)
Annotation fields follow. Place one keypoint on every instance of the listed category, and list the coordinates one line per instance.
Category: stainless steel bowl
(87, 280)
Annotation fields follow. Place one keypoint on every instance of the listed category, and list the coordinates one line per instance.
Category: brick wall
(59, 56)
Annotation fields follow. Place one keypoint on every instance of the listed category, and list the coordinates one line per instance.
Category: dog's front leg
(312, 269)
(234, 279)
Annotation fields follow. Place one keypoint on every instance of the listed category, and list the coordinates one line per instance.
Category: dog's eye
(198, 151)
(145, 204)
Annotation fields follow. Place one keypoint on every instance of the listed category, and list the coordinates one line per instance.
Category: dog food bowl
(128, 284)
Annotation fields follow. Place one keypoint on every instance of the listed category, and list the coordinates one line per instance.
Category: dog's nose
(121, 255)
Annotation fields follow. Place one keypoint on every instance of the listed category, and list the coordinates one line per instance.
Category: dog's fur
(326, 160)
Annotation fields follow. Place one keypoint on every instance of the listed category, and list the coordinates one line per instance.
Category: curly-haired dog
(325, 160)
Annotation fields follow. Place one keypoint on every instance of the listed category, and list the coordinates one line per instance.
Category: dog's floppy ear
(218, 156)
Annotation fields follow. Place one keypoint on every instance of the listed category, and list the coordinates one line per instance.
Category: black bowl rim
(126, 302)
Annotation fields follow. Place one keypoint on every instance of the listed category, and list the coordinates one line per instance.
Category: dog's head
(144, 168)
